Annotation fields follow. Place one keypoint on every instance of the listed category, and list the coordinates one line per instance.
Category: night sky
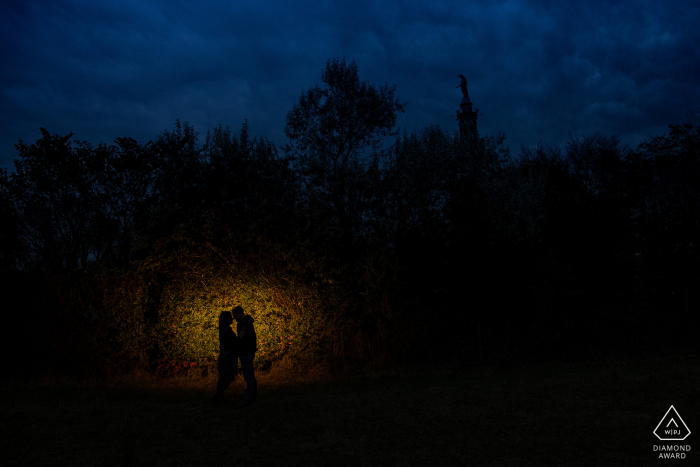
(537, 70)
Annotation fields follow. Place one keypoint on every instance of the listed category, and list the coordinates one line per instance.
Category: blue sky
(537, 70)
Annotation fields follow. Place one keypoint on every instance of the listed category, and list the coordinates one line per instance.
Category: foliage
(53, 194)
(343, 250)
(291, 295)
(75, 204)
(12, 248)
(335, 136)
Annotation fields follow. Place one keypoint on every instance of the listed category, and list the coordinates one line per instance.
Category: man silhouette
(247, 346)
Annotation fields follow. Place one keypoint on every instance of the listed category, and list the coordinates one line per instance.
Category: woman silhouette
(228, 359)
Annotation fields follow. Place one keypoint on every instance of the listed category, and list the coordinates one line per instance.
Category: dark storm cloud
(537, 70)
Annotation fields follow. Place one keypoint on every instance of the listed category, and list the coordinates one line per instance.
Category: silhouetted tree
(12, 249)
(602, 233)
(335, 133)
(179, 182)
(667, 217)
(53, 191)
(125, 185)
(247, 183)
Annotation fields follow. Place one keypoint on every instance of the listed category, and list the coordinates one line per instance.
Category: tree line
(435, 246)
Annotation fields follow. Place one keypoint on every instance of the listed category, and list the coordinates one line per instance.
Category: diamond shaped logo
(671, 427)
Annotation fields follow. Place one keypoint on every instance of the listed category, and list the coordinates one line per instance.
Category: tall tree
(246, 182)
(125, 184)
(335, 136)
(178, 186)
(53, 191)
(12, 249)
(671, 208)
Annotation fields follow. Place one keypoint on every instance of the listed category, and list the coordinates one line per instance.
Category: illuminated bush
(188, 330)
(294, 302)
(164, 315)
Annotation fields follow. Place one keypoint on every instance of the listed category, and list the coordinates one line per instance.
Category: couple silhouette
(233, 347)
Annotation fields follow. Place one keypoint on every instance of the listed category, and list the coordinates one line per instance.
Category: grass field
(565, 414)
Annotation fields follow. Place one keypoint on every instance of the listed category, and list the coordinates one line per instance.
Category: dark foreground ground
(579, 414)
